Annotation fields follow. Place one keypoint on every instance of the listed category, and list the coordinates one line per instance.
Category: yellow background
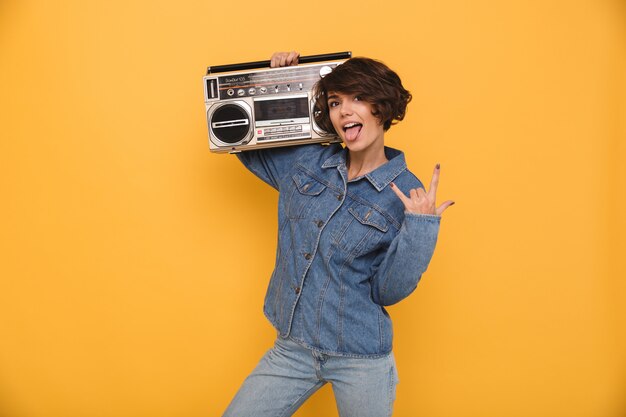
(134, 263)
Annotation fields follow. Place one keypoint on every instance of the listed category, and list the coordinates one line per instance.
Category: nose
(346, 108)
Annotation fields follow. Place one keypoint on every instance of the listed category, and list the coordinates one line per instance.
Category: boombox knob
(325, 70)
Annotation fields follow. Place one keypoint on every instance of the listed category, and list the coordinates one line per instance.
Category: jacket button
(297, 290)
(340, 197)
(307, 256)
(320, 223)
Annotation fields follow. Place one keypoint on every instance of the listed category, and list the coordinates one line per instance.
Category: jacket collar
(381, 176)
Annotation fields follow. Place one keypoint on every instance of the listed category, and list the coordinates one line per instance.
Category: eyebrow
(332, 96)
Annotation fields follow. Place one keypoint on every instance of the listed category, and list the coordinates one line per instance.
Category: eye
(358, 98)
(333, 103)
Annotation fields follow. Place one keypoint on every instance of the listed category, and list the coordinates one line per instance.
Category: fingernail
(452, 203)
(392, 185)
(438, 166)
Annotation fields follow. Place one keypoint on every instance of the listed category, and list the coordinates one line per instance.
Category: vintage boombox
(250, 106)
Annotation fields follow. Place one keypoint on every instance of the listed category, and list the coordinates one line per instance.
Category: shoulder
(314, 157)
(407, 180)
(399, 171)
(276, 165)
(303, 154)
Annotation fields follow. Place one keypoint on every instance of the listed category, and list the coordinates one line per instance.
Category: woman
(350, 242)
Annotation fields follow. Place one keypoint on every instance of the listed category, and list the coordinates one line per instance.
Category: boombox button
(241, 92)
(263, 90)
(230, 92)
(252, 91)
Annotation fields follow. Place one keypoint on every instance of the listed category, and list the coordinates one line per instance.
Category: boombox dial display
(265, 107)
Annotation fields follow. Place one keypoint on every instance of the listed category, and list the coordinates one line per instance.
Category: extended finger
(434, 182)
(400, 194)
(443, 207)
(292, 58)
(275, 59)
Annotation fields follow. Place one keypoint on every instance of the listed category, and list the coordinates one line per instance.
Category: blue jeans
(288, 374)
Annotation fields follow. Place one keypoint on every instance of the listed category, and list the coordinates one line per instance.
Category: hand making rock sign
(420, 201)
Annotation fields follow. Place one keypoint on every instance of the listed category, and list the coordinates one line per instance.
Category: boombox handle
(261, 64)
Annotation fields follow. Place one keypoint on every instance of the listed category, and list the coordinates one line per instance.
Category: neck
(365, 161)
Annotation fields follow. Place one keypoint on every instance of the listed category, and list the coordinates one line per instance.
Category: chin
(354, 146)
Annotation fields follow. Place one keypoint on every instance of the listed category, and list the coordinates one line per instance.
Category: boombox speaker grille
(230, 123)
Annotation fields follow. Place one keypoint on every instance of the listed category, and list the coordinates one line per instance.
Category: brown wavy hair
(371, 80)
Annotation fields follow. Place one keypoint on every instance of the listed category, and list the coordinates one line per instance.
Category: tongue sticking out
(353, 132)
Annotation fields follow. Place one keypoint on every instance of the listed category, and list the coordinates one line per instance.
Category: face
(353, 120)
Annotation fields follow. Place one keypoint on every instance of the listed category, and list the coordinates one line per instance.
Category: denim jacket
(345, 248)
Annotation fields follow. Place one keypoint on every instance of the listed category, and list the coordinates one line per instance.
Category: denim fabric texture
(288, 374)
(345, 248)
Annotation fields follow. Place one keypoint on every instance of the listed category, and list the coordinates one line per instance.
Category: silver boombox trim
(266, 107)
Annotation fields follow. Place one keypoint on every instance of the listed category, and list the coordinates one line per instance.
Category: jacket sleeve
(273, 165)
(406, 259)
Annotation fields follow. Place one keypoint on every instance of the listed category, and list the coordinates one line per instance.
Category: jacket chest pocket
(304, 198)
(362, 230)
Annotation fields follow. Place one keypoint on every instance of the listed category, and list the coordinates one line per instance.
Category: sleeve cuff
(432, 218)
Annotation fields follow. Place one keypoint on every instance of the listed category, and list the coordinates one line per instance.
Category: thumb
(443, 207)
